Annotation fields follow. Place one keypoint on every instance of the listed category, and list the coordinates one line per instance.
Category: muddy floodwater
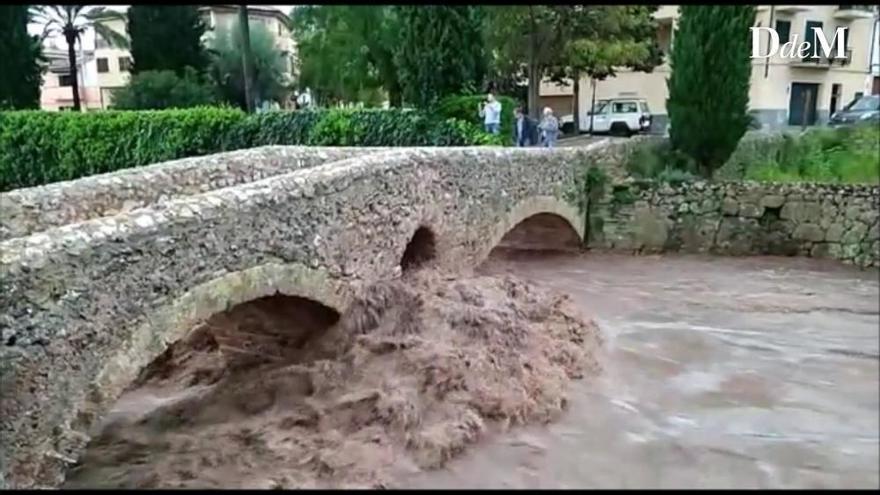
(717, 373)
(540, 371)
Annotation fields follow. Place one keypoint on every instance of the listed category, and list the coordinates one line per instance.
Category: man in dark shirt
(523, 129)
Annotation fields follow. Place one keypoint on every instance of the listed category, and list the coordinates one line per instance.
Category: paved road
(584, 140)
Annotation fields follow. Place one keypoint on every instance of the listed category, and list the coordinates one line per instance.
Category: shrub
(43, 147)
(845, 155)
(659, 161)
(153, 90)
(466, 108)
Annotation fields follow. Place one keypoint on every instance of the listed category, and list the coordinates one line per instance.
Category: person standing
(523, 129)
(490, 110)
(549, 128)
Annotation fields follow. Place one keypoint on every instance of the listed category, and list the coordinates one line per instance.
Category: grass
(838, 156)
(849, 155)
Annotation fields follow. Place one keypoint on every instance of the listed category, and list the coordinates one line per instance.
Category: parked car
(620, 116)
(860, 110)
(566, 124)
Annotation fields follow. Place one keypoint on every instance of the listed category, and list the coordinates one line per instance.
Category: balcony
(666, 13)
(823, 62)
(792, 9)
(853, 12)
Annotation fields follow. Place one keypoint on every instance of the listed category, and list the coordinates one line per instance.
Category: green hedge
(43, 147)
(466, 108)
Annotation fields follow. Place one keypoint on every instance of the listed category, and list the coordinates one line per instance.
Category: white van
(620, 116)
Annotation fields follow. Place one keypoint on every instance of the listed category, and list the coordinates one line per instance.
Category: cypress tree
(709, 85)
(20, 53)
(166, 37)
(440, 52)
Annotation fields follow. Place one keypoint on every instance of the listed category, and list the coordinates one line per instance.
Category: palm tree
(71, 21)
(247, 57)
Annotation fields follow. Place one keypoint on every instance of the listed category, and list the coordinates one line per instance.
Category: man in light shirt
(491, 113)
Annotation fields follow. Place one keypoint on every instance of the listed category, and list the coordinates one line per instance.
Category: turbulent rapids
(283, 392)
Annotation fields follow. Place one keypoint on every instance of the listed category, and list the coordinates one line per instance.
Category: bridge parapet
(35, 209)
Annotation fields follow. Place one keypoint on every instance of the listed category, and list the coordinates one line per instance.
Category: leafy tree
(527, 40)
(440, 52)
(346, 53)
(227, 65)
(20, 56)
(166, 37)
(603, 38)
(709, 85)
(149, 90)
(564, 41)
(71, 21)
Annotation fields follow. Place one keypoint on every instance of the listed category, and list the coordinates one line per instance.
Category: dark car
(859, 111)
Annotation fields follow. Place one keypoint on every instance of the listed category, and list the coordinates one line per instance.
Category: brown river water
(704, 373)
(718, 373)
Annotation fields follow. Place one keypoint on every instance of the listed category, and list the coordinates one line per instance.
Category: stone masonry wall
(85, 306)
(823, 221)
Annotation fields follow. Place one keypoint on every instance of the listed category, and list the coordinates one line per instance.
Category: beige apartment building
(103, 68)
(783, 91)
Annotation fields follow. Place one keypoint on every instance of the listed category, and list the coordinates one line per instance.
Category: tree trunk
(534, 90)
(576, 108)
(74, 74)
(395, 98)
(247, 57)
(533, 69)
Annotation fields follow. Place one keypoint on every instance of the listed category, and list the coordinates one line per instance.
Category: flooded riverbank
(718, 373)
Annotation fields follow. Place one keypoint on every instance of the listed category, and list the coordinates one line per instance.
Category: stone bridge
(100, 275)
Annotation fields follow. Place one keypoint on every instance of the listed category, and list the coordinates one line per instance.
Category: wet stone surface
(719, 373)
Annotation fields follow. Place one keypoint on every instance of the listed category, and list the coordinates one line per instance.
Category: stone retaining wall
(823, 221)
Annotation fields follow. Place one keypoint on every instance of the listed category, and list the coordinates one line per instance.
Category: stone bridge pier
(101, 275)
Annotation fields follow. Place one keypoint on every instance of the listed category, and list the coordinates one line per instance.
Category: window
(645, 108)
(783, 28)
(625, 107)
(65, 80)
(844, 38)
(103, 66)
(865, 103)
(811, 36)
(124, 64)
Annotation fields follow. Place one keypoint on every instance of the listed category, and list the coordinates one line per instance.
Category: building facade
(104, 68)
(784, 92)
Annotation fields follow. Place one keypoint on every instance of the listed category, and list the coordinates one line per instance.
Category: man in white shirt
(491, 113)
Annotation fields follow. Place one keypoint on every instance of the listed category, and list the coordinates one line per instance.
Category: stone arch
(541, 215)
(421, 249)
(172, 323)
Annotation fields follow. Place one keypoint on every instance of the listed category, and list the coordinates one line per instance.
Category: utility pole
(247, 57)
(767, 60)
(592, 103)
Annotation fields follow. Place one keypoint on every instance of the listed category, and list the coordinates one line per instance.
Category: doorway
(802, 106)
(836, 93)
